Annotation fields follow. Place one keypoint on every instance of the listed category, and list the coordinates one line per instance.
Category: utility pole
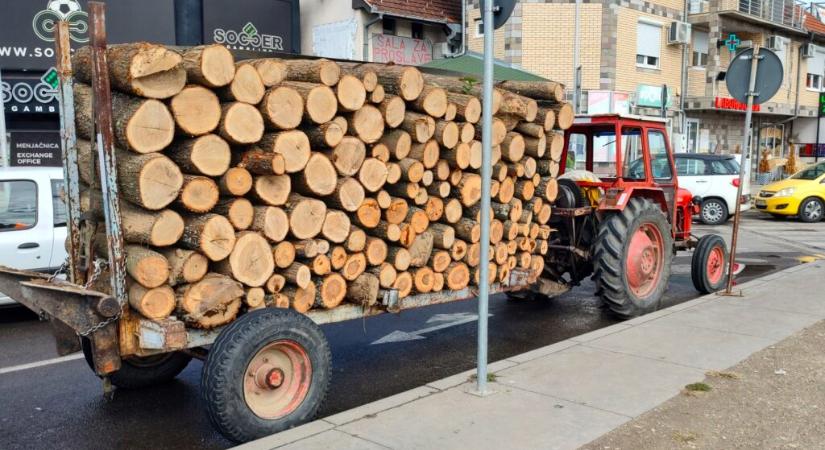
(576, 72)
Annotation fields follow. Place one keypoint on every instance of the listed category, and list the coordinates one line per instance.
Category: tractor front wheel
(632, 256)
(709, 264)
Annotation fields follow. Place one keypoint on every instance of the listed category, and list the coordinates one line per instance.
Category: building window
(816, 69)
(478, 28)
(417, 31)
(700, 49)
(389, 26)
(648, 44)
(697, 6)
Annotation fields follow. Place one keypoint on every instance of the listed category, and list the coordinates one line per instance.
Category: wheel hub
(277, 379)
(715, 265)
(645, 259)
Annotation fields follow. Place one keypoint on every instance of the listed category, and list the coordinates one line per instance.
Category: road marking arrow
(443, 320)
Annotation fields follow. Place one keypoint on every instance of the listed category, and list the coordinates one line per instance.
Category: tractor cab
(620, 215)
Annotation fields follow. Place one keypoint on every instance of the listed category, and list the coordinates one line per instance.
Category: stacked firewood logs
(305, 183)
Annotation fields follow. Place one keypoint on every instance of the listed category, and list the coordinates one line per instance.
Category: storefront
(29, 82)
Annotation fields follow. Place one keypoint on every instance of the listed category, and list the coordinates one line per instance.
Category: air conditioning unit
(775, 43)
(807, 50)
(679, 33)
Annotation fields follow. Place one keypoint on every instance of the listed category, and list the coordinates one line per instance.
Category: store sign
(607, 102)
(651, 96)
(400, 50)
(732, 104)
(30, 93)
(255, 25)
(35, 149)
(27, 27)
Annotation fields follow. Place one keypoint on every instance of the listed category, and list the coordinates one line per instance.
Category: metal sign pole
(486, 175)
(745, 160)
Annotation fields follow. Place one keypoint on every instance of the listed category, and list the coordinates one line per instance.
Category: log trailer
(269, 369)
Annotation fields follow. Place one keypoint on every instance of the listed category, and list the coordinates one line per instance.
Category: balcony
(787, 13)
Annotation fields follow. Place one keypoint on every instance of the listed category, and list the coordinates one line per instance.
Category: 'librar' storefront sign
(732, 104)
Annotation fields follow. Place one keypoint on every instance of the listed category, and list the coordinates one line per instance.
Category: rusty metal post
(68, 139)
(746, 152)
(104, 141)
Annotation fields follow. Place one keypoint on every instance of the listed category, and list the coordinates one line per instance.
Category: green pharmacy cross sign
(732, 42)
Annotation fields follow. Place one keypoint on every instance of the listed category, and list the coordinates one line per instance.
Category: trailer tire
(142, 372)
(267, 371)
(709, 264)
(641, 232)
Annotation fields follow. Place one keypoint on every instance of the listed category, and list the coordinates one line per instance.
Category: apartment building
(398, 31)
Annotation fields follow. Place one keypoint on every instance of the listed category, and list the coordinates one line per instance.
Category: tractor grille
(766, 194)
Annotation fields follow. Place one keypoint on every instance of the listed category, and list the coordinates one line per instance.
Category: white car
(714, 178)
(32, 220)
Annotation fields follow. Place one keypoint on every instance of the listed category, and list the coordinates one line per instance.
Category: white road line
(45, 362)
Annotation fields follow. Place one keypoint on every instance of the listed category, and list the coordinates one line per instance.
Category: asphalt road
(60, 404)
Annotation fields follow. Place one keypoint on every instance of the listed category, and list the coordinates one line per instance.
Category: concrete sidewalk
(567, 394)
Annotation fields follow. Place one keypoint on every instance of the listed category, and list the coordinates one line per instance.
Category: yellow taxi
(802, 195)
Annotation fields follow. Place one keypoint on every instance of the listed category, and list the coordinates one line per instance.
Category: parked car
(32, 220)
(714, 178)
(802, 195)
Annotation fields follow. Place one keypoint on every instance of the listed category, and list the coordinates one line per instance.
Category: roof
(607, 117)
(705, 156)
(442, 11)
(471, 63)
(813, 24)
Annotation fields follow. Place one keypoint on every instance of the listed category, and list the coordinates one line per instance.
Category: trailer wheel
(267, 372)
(632, 255)
(709, 264)
(140, 372)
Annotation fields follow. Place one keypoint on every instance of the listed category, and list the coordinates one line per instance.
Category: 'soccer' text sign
(254, 25)
(30, 92)
(400, 50)
(27, 27)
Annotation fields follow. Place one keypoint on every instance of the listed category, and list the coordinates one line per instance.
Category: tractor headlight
(787, 192)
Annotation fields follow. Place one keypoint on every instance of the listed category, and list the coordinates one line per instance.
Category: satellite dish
(502, 10)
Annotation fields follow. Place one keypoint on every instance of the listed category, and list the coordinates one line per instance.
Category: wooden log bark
(145, 266)
(241, 123)
(318, 178)
(468, 107)
(185, 266)
(452, 210)
(204, 155)
(325, 135)
(347, 195)
(377, 95)
(403, 284)
(421, 127)
(367, 124)
(251, 261)
(236, 181)
(423, 280)
(518, 105)
(539, 90)
(156, 228)
(142, 69)
(330, 291)
(432, 101)
(320, 101)
(386, 274)
(210, 234)
(399, 257)
(468, 230)
(198, 194)
(155, 303)
(283, 107)
(254, 298)
(457, 276)
(372, 174)
(270, 221)
(298, 274)
(149, 180)
(375, 251)
(246, 86)
(428, 153)
(284, 254)
(271, 190)
(261, 162)
(356, 265)
(292, 144)
(196, 110)
(369, 213)
(546, 118)
(336, 226)
(405, 81)
(393, 109)
(210, 302)
(305, 216)
(313, 70)
(446, 133)
(357, 240)
(466, 86)
(300, 299)
(443, 235)
(271, 70)
(140, 125)
(421, 249)
(364, 289)
(351, 93)
(348, 156)
(210, 65)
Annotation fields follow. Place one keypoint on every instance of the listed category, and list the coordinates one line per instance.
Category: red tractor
(621, 216)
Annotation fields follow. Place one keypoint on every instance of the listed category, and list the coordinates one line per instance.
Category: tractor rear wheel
(709, 264)
(632, 256)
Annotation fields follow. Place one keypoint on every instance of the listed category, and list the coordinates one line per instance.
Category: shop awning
(471, 63)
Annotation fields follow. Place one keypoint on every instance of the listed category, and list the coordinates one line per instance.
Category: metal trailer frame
(113, 331)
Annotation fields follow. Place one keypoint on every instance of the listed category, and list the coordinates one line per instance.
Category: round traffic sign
(768, 75)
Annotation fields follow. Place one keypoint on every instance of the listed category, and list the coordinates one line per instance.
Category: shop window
(18, 205)
(648, 44)
(700, 49)
(633, 161)
(659, 162)
(389, 26)
(417, 31)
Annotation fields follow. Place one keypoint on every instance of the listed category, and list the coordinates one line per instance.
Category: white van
(32, 219)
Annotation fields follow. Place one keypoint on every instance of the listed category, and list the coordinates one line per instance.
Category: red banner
(732, 104)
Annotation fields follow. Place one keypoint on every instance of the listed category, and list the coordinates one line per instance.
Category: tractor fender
(617, 201)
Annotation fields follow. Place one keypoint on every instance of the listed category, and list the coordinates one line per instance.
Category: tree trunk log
(143, 69)
(185, 266)
(241, 123)
(364, 289)
(251, 261)
(210, 65)
(313, 70)
(150, 180)
(236, 181)
(204, 155)
(211, 234)
(292, 144)
(246, 86)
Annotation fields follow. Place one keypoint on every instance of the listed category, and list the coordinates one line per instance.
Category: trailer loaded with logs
(224, 208)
